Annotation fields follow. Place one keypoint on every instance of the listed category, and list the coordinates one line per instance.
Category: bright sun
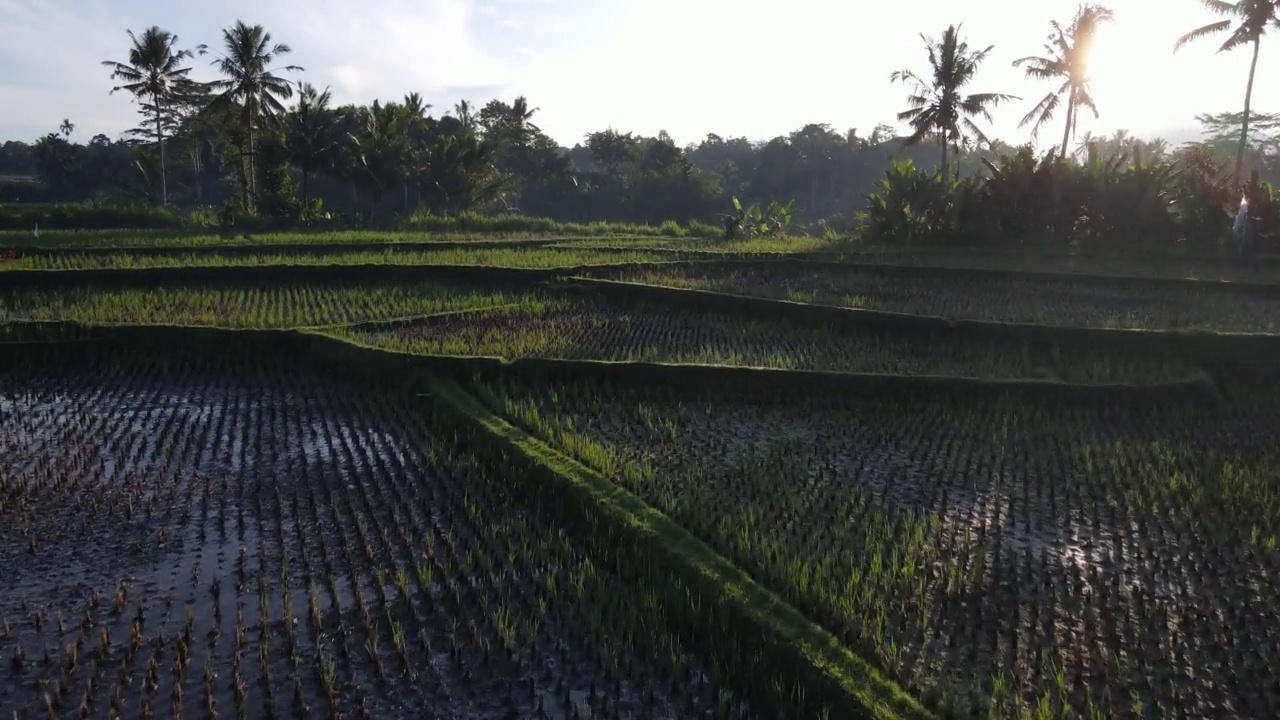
(1111, 73)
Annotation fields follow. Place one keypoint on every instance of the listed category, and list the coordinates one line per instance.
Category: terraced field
(221, 535)
(997, 557)
(203, 522)
(599, 329)
(284, 306)
(529, 257)
(1020, 299)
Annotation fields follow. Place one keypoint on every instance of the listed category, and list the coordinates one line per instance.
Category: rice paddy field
(361, 509)
(223, 536)
(1086, 302)
(599, 329)
(531, 257)
(286, 306)
(1264, 269)
(999, 558)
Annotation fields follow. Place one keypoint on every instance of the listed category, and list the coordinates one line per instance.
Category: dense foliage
(257, 141)
(1099, 203)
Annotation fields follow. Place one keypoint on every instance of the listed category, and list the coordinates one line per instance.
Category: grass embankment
(831, 668)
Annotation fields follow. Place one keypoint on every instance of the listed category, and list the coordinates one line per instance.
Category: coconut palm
(153, 70)
(377, 154)
(310, 132)
(938, 107)
(523, 114)
(252, 87)
(461, 174)
(466, 114)
(1066, 58)
(1252, 17)
(414, 105)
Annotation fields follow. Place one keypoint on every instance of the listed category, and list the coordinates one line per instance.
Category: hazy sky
(691, 67)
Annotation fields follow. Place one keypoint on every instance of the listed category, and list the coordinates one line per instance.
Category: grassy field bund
(627, 472)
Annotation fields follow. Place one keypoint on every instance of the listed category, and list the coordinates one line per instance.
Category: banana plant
(751, 221)
(912, 206)
(1122, 200)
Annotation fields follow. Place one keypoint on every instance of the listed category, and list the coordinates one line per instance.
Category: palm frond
(1222, 7)
(1243, 35)
(1041, 113)
(1200, 32)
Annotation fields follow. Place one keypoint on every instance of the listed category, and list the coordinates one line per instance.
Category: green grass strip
(729, 586)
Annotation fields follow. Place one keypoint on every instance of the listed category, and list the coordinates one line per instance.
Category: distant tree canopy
(259, 140)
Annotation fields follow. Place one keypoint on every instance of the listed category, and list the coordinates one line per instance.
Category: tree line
(260, 140)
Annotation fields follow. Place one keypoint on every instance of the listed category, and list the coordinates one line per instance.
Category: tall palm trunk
(1244, 125)
(946, 170)
(1071, 118)
(164, 188)
(253, 166)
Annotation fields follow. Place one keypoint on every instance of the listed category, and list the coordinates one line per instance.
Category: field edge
(859, 682)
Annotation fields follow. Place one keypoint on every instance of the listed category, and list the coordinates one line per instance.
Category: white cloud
(54, 56)
(399, 46)
(753, 67)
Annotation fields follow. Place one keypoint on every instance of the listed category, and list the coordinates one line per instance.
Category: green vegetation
(383, 559)
(1185, 267)
(541, 257)
(594, 329)
(1081, 302)
(258, 148)
(361, 411)
(998, 557)
(17, 225)
(277, 307)
(728, 586)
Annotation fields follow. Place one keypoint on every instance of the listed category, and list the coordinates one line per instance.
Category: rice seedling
(285, 306)
(1000, 557)
(533, 257)
(469, 226)
(435, 581)
(1086, 302)
(1220, 268)
(600, 329)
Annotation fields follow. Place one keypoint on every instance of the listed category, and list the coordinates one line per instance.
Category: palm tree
(67, 127)
(522, 114)
(417, 128)
(461, 174)
(309, 132)
(466, 114)
(414, 106)
(938, 106)
(378, 151)
(1066, 59)
(153, 69)
(1253, 17)
(251, 85)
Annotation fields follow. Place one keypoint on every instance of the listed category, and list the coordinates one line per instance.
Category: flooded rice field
(232, 537)
(998, 557)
